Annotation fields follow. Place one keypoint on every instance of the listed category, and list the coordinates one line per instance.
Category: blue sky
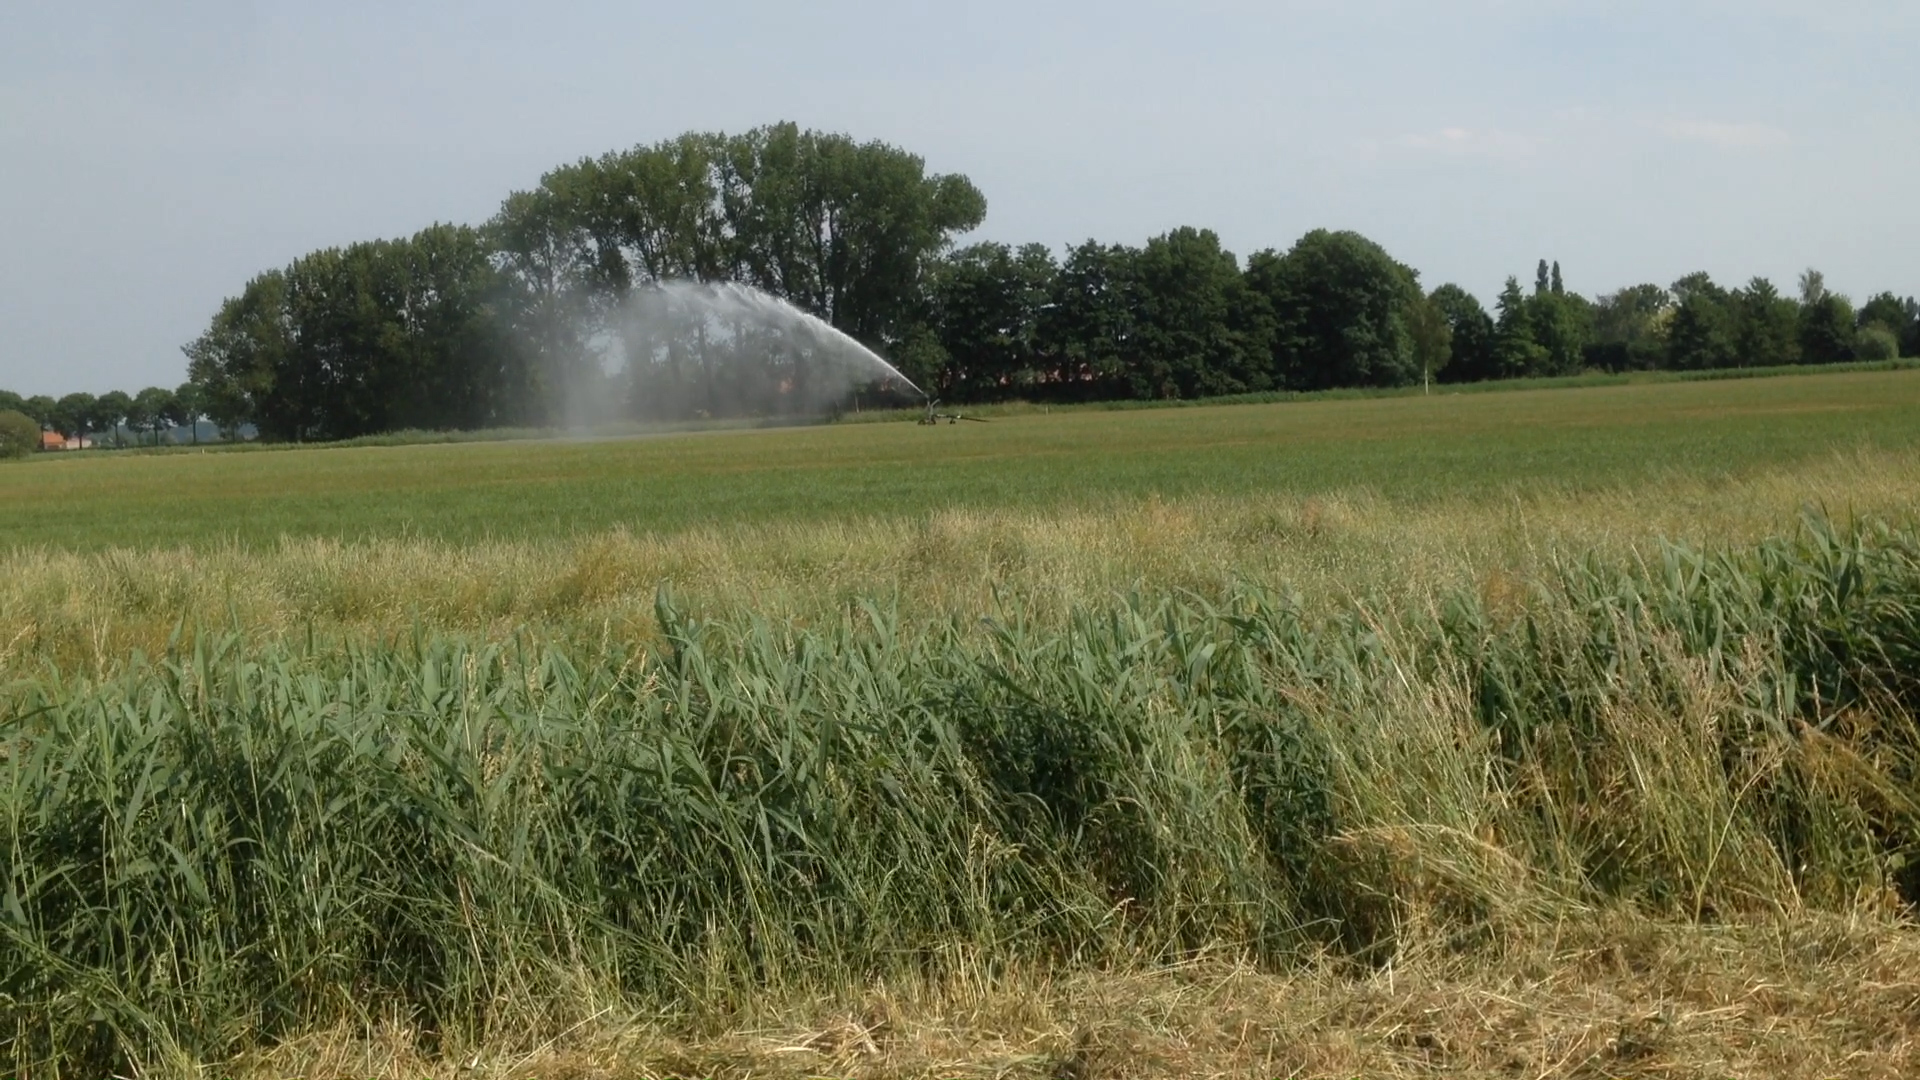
(153, 156)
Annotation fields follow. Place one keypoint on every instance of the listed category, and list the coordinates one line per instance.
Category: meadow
(1399, 498)
(1409, 449)
(1545, 733)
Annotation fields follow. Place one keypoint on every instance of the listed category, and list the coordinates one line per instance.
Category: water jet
(713, 349)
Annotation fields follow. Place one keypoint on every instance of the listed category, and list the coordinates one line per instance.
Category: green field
(1407, 449)
(1561, 733)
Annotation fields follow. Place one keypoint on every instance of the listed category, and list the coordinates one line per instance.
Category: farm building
(53, 440)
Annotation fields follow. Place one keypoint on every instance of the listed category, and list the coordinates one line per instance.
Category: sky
(154, 155)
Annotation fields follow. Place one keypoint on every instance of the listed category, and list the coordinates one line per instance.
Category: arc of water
(765, 302)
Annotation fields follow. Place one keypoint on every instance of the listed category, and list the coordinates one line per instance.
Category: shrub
(1876, 342)
(19, 435)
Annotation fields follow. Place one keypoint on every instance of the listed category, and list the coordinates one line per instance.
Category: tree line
(1180, 317)
(505, 323)
(138, 418)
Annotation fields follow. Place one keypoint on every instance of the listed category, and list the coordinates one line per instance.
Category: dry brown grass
(1617, 996)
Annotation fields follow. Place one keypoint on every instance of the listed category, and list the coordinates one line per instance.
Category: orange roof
(52, 440)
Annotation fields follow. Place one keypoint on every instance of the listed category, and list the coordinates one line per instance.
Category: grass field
(1394, 498)
(1405, 449)
(1354, 737)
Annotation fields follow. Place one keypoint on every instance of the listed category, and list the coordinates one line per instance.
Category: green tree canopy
(1766, 326)
(1704, 331)
(1470, 337)
(189, 405)
(1629, 327)
(1827, 329)
(154, 407)
(550, 304)
(370, 337)
(110, 411)
(241, 360)
(1561, 324)
(1516, 352)
(1200, 330)
(845, 230)
(1341, 307)
(1886, 309)
(1087, 329)
(512, 323)
(1702, 335)
(986, 304)
(1899, 318)
(1432, 338)
(851, 232)
(136, 416)
(74, 415)
(1813, 287)
(19, 434)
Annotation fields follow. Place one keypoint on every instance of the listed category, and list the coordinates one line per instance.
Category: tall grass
(237, 841)
(87, 610)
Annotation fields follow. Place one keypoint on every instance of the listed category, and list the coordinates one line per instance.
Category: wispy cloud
(1727, 136)
(1468, 141)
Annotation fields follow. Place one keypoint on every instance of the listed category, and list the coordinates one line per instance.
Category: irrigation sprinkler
(933, 415)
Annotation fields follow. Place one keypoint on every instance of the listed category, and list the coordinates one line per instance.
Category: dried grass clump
(1616, 995)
